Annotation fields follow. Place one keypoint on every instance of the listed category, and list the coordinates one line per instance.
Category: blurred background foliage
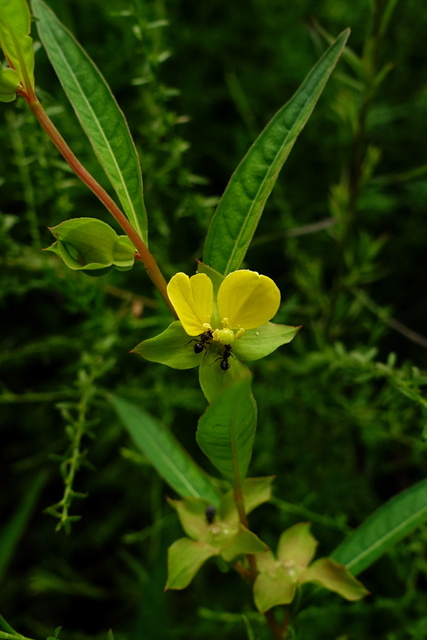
(342, 409)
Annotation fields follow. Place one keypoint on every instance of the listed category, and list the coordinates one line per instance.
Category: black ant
(224, 356)
(204, 338)
(210, 513)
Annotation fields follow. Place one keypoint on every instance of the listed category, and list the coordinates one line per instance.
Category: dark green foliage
(342, 410)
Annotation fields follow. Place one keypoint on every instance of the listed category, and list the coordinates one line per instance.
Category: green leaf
(98, 112)
(165, 453)
(212, 378)
(15, 26)
(242, 204)
(226, 431)
(92, 246)
(172, 347)
(185, 557)
(260, 342)
(9, 82)
(386, 526)
(335, 577)
(6, 626)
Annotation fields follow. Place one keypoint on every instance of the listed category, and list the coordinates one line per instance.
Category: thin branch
(144, 254)
(398, 326)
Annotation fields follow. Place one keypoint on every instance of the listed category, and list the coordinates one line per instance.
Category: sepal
(192, 515)
(273, 587)
(260, 342)
(171, 347)
(185, 557)
(297, 544)
(335, 577)
(213, 532)
(278, 580)
(242, 543)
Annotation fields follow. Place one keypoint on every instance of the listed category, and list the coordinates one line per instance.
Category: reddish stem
(143, 254)
(274, 627)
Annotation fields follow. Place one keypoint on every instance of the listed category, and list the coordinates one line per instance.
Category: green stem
(240, 506)
(145, 255)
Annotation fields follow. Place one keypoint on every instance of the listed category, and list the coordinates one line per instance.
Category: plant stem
(278, 634)
(240, 505)
(252, 574)
(145, 255)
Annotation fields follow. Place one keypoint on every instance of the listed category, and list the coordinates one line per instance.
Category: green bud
(92, 246)
(9, 83)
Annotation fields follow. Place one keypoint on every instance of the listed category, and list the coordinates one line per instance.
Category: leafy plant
(222, 320)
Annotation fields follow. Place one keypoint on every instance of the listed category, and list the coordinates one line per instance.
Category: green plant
(215, 518)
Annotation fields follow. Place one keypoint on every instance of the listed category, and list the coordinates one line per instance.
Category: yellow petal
(193, 301)
(247, 299)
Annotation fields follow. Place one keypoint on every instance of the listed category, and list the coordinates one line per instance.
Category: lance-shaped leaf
(92, 246)
(165, 453)
(98, 112)
(242, 204)
(15, 25)
(226, 431)
(385, 527)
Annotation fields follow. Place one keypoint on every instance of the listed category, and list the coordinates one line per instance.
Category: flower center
(226, 335)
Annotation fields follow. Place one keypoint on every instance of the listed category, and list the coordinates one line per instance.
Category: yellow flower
(245, 300)
(228, 321)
